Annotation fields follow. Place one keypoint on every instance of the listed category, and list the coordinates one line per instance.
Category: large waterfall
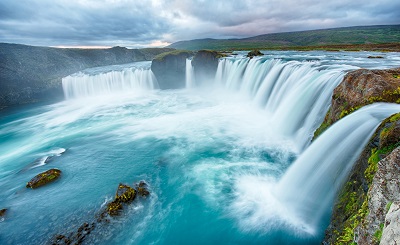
(296, 95)
(100, 83)
(310, 185)
(231, 158)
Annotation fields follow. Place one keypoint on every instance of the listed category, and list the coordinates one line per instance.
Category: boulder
(205, 64)
(170, 68)
(254, 53)
(44, 178)
(3, 212)
(142, 189)
(125, 194)
(391, 230)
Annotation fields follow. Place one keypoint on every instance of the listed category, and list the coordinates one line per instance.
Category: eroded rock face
(359, 88)
(170, 69)
(384, 190)
(44, 178)
(205, 64)
(391, 230)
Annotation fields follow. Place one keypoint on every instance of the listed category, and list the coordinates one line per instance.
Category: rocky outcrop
(30, 74)
(205, 64)
(391, 230)
(170, 68)
(123, 196)
(359, 88)
(385, 190)
(359, 213)
(44, 178)
(254, 53)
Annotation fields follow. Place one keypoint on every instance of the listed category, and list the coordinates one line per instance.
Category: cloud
(157, 22)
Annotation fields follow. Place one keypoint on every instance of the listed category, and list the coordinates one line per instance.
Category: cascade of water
(310, 185)
(190, 81)
(129, 79)
(295, 94)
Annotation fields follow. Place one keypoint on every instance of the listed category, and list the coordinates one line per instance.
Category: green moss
(162, 56)
(43, 178)
(396, 76)
(346, 112)
(388, 205)
(378, 233)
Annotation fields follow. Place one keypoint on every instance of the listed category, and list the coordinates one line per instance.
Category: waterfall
(295, 94)
(310, 185)
(128, 79)
(190, 81)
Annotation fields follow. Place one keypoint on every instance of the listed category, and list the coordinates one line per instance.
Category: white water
(126, 80)
(190, 81)
(310, 185)
(295, 94)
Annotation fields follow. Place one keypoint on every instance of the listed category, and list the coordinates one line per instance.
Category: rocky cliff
(362, 207)
(205, 64)
(29, 74)
(170, 68)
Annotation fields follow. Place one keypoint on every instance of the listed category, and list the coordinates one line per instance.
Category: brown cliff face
(359, 88)
(359, 213)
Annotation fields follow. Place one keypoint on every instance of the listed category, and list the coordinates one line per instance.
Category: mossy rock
(142, 189)
(113, 208)
(44, 178)
(3, 212)
(125, 194)
(254, 53)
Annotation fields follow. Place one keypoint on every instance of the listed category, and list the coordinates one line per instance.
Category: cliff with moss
(362, 207)
(29, 74)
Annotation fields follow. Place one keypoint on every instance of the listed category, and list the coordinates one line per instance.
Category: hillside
(361, 35)
(29, 74)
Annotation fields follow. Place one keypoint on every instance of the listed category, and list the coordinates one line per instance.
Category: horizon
(158, 23)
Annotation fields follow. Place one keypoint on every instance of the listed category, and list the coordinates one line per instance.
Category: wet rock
(114, 208)
(44, 178)
(3, 212)
(125, 194)
(254, 53)
(142, 189)
(375, 57)
(205, 64)
(170, 68)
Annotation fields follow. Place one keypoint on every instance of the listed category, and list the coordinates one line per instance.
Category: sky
(157, 23)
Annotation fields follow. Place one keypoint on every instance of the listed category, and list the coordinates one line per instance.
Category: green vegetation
(177, 52)
(378, 233)
(382, 38)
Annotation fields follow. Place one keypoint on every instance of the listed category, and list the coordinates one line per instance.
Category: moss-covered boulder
(44, 178)
(114, 207)
(205, 64)
(125, 194)
(170, 68)
(142, 189)
(359, 88)
(254, 53)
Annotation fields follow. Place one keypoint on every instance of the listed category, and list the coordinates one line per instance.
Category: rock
(361, 87)
(375, 57)
(384, 190)
(205, 64)
(3, 212)
(254, 53)
(44, 178)
(142, 189)
(125, 194)
(170, 68)
(391, 230)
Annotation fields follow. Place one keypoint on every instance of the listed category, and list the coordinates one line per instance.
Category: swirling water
(213, 157)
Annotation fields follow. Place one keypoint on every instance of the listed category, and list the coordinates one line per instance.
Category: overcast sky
(139, 23)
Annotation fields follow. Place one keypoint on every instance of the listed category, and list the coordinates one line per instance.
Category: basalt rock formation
(360, 211)
(169, 68)
(30, 74)
(205, 64)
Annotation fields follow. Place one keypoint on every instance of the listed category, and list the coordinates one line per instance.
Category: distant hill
(357, 35)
